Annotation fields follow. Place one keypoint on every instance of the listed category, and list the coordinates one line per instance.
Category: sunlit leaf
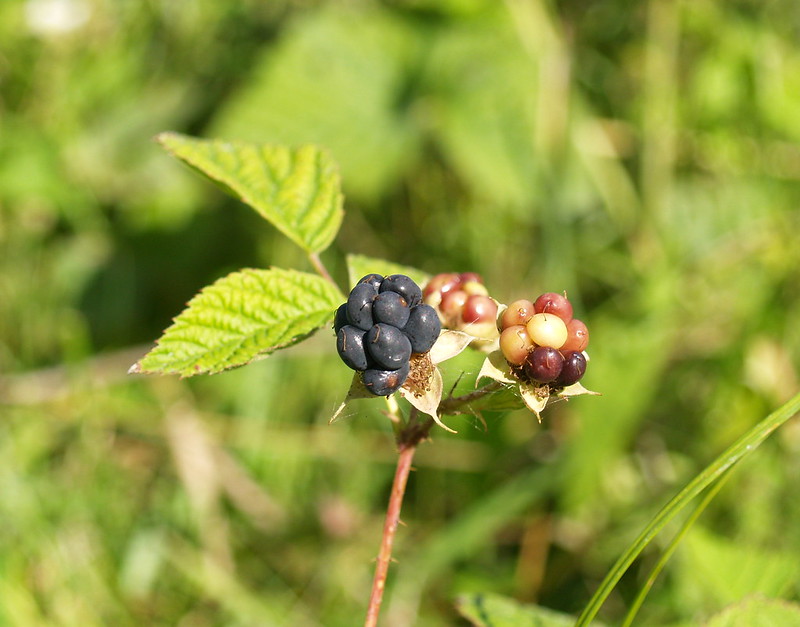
(241, 317)
(297, 190)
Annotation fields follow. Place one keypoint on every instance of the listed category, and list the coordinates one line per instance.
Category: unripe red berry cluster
(462, 302)
(543, 342)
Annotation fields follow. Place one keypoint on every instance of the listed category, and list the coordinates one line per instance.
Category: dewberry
(350, 345)
(515, 344)
(404, 286)
(543, 364)
(340, 319)
(479, 308)
(452, 303)
(547, 330)
(442, 283)
(385, 382)
(388, 346)
(518, 312)
(577, 336)
(390, 308)
(373, 279)
(473, 287)
(470, 277)
(359, 306)
(573, 369)
(479, 317)
(422, 328)
(552, 303)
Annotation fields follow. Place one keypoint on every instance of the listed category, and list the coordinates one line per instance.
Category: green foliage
(241, 317)
(735, 453)
(298, 191)
(644, 159)
(334, 79)
(716, 571)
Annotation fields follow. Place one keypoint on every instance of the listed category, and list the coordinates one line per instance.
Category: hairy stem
(407, 443)
(320, 267)
(455, 403)
(409, 435)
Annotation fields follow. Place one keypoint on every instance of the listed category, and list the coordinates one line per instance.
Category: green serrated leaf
(298, 190)
(360, 265)
(241, 317)
(493, 610)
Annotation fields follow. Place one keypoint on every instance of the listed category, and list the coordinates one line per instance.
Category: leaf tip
(164, 137)
(135, 368)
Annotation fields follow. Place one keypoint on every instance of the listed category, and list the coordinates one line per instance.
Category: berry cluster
(462, 302)
(543, 342)
(380, 326)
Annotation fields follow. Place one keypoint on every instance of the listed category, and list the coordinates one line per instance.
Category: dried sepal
(576, 389)
(449, 344)
(357, 391)
(495, 367)
(423, 387)
(535, 397)
(426, 397)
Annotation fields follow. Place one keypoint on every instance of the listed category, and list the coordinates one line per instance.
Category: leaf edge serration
(326, 174)
(305, 322)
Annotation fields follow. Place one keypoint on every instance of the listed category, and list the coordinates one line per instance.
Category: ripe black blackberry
(380, 326)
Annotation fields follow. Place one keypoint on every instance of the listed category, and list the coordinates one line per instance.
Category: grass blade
(735, 453)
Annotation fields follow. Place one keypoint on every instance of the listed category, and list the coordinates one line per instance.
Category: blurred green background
(643, 156)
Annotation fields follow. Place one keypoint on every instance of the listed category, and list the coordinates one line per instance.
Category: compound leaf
(298, 190)
(241, 317)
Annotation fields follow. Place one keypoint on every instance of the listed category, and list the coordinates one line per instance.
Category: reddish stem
(409, 438)
(320, 267)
